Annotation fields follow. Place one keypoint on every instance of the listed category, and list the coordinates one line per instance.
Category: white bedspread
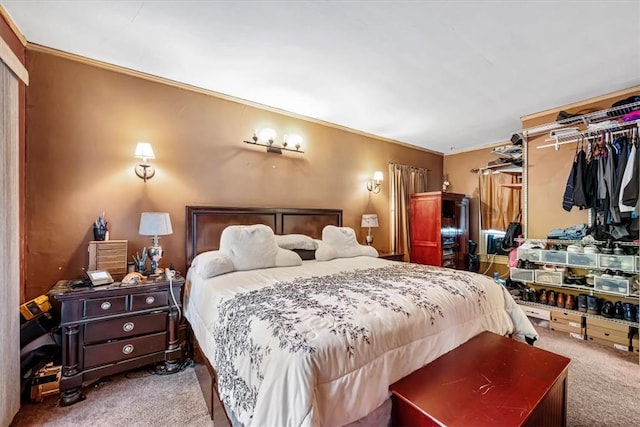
(320, 344)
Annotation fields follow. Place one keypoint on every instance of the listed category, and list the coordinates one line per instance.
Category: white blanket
(319, 344)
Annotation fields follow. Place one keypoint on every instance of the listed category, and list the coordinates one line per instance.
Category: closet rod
(579, 136)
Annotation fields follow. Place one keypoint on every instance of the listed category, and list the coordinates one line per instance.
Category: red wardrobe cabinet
(439, 229)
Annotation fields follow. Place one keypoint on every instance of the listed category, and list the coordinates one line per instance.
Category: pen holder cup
(141, 266)
(99, 233)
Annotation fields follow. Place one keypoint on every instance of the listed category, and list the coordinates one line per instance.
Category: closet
(439, 224)
(586, 288)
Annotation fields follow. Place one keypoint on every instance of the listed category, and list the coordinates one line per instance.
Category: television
(493, 242)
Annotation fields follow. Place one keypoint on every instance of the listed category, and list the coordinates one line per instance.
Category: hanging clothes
(591, 178)
(579, 196)
(631, 179)
(567, 197)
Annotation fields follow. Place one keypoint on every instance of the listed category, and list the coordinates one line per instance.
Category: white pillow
(296, 241)
(340, 242)
(254, 246)
(211, 264)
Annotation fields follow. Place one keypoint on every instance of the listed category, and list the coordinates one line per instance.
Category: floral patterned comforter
(320, 344)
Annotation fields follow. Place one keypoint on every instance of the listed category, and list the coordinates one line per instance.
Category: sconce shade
(374, 184)
(155, 224)
(369, 220)
(144, 151)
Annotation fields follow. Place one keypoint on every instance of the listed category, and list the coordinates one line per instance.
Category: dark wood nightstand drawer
(392, 256)
(116, 351)
(124, 327)
(105, 306)
(149, 300)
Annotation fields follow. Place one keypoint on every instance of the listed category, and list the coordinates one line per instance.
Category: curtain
(403, 181)
(9, 248)
(499, 200)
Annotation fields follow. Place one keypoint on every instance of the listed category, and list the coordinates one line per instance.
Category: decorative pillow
(296, 241)
(254, 246)
(211, 264)
(340, 242)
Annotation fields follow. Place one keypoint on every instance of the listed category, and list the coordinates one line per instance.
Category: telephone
(133, 278)
(99, 277)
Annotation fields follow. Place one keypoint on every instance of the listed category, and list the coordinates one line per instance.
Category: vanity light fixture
(144, 170)
(267, 137)
(374, 184)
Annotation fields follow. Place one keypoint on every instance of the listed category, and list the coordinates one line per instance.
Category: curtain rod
(408, 166)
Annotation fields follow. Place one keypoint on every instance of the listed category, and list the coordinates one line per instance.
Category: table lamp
(155, 224)
(369, 220)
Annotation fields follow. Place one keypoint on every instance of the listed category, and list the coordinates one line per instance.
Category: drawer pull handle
(150, 300)
(127, 349)
(128, 327)
(105, 305)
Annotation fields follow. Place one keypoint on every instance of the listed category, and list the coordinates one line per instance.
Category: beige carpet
(604, 386)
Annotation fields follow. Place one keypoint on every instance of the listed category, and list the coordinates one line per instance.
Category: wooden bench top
(489, 380)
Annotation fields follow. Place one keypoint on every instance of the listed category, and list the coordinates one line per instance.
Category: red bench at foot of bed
(489, 380)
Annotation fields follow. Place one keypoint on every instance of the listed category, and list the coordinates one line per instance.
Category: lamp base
(369, 239)
(155, 255)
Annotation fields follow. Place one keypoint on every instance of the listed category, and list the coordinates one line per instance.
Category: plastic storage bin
(521, 274)
(555, 257)
(619, 285)
(582, 260)
(617, 262)
(550, 277)
(529, 254)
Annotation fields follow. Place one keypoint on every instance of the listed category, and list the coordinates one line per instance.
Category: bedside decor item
(369, 220)
(155, 224)
(100, 230)
(374, 184)
(144, 152)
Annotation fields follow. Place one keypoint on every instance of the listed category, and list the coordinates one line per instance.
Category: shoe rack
(547, 275)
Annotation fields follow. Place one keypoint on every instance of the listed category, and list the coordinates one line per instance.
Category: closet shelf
(517, 186)
(569, 137)
(583, 119)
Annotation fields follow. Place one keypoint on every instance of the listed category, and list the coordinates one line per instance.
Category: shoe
(570, 302)
(551, 298)
(560, 300)
(607, 309)
(542, 298)
(533, 295)
(582, 302)
(629, 311)
(618, 310)
(593, 304)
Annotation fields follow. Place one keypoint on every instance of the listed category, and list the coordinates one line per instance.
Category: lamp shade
(144, 151)
(369, 220)
(377, 176)
(155, 224)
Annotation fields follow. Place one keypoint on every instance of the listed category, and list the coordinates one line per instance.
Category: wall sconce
(267, 138)
(374, 184)
(144, 152)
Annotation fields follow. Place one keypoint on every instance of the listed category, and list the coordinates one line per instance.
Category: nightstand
(392, 256)
(115, 328)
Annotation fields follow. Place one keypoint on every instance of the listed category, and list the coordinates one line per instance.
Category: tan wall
(458, 169)
(548, 171)
(83, 123)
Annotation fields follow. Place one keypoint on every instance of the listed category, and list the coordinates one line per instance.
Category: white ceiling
(444, 75)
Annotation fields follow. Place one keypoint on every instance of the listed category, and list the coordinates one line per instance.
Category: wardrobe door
(425, 223)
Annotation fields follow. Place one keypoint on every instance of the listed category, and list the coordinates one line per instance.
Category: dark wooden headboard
(204, 224)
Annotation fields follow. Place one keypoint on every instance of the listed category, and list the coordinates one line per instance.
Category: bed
(319, 343)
